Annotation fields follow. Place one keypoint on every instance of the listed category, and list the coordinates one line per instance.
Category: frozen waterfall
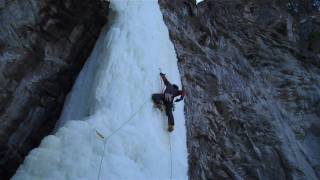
(118, 78)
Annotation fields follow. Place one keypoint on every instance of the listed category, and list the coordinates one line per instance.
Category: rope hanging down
(114, 132)
(162, 86)
(170, 157)
(123, 124)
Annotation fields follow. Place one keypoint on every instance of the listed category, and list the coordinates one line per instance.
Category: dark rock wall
(43, 45)
(252, 76)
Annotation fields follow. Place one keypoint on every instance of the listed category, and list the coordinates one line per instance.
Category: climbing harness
(114, 132)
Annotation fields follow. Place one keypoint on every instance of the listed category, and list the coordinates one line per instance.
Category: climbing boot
(170, 128)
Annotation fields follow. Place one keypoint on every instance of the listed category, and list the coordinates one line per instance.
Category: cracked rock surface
(43, 45)
(251, 70)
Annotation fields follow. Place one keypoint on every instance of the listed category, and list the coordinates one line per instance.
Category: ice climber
(166, 99)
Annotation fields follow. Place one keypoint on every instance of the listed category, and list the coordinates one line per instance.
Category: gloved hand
(161, 74)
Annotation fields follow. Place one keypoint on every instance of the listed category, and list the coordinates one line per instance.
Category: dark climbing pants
(158, 98)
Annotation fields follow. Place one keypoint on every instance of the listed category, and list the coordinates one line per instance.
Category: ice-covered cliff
(115, 86)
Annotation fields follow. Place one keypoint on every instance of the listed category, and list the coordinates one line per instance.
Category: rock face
(43, 45)
(252, 76)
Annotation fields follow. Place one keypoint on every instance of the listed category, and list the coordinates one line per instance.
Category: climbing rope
(123, 124)
(170, 157)
(104, 149)
(114, 132)
(162, 86)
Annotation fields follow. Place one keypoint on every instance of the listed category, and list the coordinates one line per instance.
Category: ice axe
(161, 71)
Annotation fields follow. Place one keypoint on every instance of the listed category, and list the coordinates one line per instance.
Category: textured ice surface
(120, 75)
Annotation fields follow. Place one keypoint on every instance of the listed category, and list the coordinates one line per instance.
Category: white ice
(118, 78)
(198, 1)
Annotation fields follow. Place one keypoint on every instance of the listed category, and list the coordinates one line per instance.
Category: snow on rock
(117, 81)
(199, 1)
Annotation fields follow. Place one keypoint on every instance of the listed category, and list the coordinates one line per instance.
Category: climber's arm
(165, 80)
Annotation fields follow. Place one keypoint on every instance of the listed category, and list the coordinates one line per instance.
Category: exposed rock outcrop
(43, 45)
(252, 76)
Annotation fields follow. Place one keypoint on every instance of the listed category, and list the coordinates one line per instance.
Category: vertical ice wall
(117, 80)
